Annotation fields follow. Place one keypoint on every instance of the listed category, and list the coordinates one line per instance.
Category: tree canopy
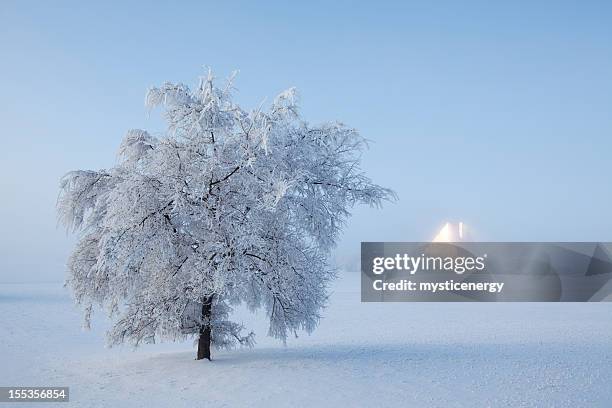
(228, 206)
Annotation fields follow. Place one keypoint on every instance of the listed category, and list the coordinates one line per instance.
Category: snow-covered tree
(229, 206)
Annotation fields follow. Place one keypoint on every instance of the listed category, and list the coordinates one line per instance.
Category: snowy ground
(403, 354)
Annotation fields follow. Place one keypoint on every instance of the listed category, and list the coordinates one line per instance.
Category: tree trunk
(205, 330)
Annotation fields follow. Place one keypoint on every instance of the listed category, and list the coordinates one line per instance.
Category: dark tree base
(205, 331)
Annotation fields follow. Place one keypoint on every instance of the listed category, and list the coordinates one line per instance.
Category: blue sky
(499, 115)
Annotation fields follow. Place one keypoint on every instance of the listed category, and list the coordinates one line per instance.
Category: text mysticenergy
(414, 264)
(449, 285)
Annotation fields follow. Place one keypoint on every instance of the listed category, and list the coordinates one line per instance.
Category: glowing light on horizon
(450, 233)
(444, 235)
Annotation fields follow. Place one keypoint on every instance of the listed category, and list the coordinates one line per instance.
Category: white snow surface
(362, 355)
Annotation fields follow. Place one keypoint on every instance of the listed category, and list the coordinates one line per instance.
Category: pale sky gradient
(496, 115)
